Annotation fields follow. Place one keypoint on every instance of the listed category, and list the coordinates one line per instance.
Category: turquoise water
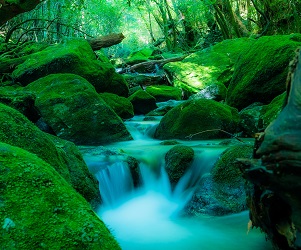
(149, 217)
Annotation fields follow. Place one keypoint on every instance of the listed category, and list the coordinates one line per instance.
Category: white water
(149, 218)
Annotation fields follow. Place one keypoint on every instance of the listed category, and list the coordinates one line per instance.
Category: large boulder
(63, 156)
(39, 209)
(221, 191)
(164, 93)
(260, 73)
(208, 71)
(72, 56)
(143, 102)
(121, 105)
(70, 105)
(198, 119)
(228, 183)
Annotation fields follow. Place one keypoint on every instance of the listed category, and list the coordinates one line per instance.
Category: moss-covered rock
(228, 184)
(71, 107)
(80, 177)
(63, 156)
(121, 105)
(19, 99)
(142, 80)
(39, 209)
(271, 111)
(18, 131)
(142, 102)
(250, 120)
(198, 119)
(177, 160)
(72, 56)
(164, 93)
(210, 67)
(260, 73)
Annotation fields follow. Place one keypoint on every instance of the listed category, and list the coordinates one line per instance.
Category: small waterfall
(115, 183)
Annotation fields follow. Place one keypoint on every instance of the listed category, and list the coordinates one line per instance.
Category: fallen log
(105, 41)
(151, 63)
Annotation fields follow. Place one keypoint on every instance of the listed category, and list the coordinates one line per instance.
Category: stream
(149, 216)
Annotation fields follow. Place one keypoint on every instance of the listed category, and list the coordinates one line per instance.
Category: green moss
(260, 73)
(142, 102)
(80, 177)
(164, 93)
(228, 183)
(226, 170)
(192, 119)
(271, 111)
(40, 210)
(72, 108)
(121, 105)
(18, 131)
(178, 159)
(212, 66)
(139, 56)
(72, 56)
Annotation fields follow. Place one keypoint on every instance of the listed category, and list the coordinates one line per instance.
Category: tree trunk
(105, 41)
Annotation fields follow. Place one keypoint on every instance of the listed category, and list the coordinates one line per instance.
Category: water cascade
(149, 217)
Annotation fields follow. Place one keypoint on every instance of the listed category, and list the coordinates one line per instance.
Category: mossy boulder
(121, 105)
(80, 177)
(198, 119)
(177, 160)
(70, 105)
(18, 131)
(250, 120)
(39, 209)
(210, 67)
(63, 156)
(164, 93)
(19, 99)
(142, 102)
(260, 73)
(271, 111)
(228, 184)
(72, 56)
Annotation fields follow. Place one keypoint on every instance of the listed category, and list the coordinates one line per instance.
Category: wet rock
(177, 160)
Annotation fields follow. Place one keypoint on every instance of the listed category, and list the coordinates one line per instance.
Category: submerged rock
(198, 119)
(39, 209)
(71, 107)
(260, 73)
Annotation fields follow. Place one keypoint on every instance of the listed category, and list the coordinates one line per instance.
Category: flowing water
(149, 217)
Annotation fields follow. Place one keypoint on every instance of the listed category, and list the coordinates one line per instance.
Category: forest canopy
(175, 25)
